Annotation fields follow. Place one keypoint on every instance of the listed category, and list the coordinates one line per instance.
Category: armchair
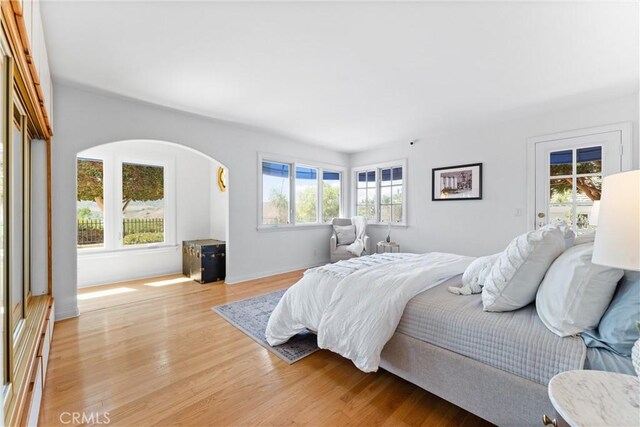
(339, 252)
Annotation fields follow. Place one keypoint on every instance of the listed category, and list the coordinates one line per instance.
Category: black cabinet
(204, 261)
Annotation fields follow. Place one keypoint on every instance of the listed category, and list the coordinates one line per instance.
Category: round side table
(595, 398)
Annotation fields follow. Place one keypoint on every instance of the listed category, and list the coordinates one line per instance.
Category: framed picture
(462, 182)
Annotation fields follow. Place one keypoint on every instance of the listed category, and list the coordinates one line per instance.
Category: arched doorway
(136, 201)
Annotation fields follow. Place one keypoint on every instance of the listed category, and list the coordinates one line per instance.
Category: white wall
(86, 119)
(484, 226)
(193, 190)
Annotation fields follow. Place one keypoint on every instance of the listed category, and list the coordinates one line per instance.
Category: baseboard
(234, 280)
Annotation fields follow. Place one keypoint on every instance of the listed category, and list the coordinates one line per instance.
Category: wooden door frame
(625, 129)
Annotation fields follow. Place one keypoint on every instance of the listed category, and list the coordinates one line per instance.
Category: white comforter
(355, 306)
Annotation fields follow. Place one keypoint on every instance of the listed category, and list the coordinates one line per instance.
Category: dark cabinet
(204, 261)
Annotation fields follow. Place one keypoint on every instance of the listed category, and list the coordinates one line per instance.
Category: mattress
(516, 342)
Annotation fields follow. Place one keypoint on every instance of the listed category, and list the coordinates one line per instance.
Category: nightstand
(594, 398)
(383, 247)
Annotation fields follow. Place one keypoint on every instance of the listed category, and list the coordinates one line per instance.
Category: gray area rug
(251, 317)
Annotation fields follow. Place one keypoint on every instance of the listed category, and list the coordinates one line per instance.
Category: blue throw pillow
(617, 330)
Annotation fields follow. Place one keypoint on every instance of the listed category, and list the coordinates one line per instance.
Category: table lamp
(617, 242)
(594, 213)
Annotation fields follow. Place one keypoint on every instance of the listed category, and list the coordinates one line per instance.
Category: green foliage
(561, 188)
(142, 238)
(306, 205)
(84, 214)
(90, 180)
(139, 182)
(330, 202)
(280, 202)
(307, 201)
(143, 183)
(134, 225)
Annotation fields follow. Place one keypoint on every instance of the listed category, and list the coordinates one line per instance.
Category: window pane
(588, 189)
(330, 195)
(275, 193)
(396, 213)
(370, 212)
(589, 160)
(371, 196)
(16, 225)
(397, 195)
(561, 212)
(385, 176)
(561, 163)
(385, 195)
(362, 180)
(385, 213)
(142, 204)
(371, 176)
(306, 195)
(397, 176)
(90, 203)
(561, 190)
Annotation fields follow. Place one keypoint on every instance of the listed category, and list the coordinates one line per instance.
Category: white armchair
(339, 252)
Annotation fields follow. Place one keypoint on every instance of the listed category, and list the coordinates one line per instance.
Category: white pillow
(346, 234)
(575, 293)
(514, 278)
(474, 276)
(567, 233)
(588, 237)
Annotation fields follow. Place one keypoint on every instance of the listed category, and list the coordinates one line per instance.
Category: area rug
(251, 317)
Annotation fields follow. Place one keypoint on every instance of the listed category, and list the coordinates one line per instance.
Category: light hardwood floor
(157, 355)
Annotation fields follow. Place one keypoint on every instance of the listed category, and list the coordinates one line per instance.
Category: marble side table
(594, 398)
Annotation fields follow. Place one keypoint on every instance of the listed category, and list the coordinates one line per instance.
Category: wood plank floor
(158, 355)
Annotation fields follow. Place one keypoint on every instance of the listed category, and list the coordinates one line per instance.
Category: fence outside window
(91, 232)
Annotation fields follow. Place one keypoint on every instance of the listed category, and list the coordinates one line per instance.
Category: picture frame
(460, 182)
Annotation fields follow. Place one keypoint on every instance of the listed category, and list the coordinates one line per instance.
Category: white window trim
(112, 195)
(293, 162)
(377, 167)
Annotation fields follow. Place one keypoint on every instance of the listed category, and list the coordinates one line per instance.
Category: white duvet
(354, 306)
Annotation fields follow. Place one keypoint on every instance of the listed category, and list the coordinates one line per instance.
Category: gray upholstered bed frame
(495, 395)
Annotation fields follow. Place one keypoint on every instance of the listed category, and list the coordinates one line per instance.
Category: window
(575, 182)
(122, 202)
(391, 195)
(142, 204)
(275, 193)
(379, 192)
(90, 203)
(298, 194)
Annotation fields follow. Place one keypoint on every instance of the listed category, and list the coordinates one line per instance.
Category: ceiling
(349, 76)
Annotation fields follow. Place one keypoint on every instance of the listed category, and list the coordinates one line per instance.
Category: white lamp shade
(595, 213)
(617, 241)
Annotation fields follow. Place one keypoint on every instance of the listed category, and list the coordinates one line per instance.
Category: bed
(495, 365)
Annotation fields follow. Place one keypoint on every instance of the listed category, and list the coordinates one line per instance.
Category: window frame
(378, 167)
(112, 195)
(293, 163)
